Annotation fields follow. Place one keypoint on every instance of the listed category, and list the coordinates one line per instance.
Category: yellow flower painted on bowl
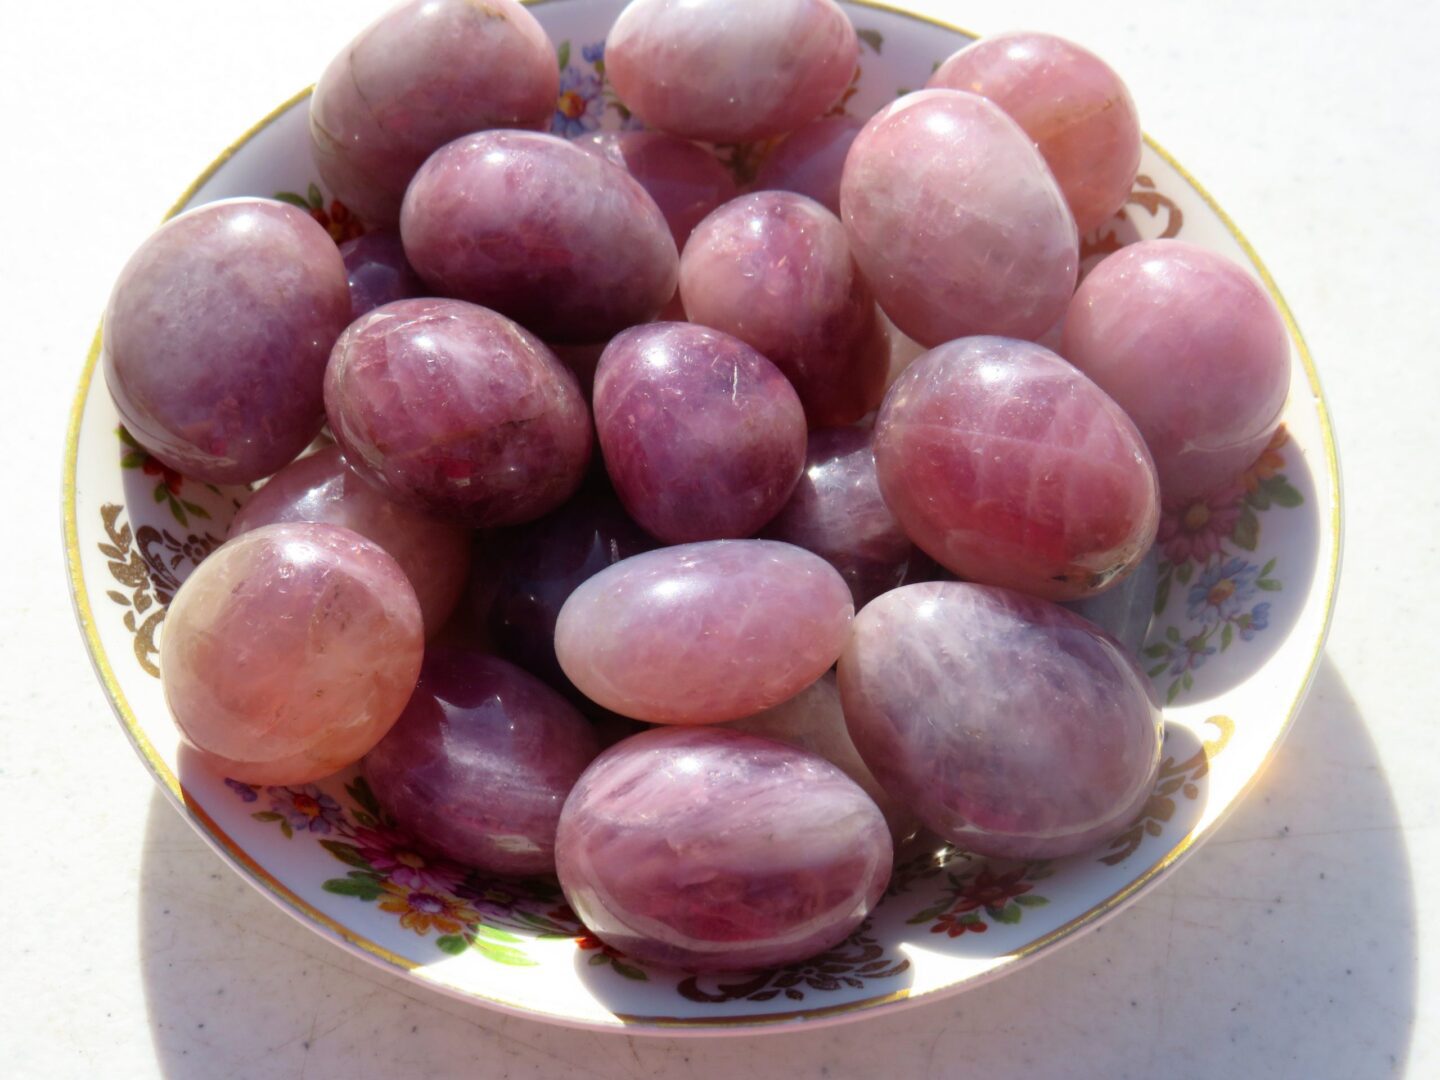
(423, 909)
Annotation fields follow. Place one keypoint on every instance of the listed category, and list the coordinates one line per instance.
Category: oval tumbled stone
(704, 633)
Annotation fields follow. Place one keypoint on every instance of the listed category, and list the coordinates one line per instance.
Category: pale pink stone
(1070, 102)
(810, 160)
(704, 633)
(709, 70)
(1193, 349)
(290, 651)
(956, 221)
(686, 181)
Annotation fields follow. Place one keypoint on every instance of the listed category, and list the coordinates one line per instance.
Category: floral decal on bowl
(336, 219)
(585, 94)
(169, 484)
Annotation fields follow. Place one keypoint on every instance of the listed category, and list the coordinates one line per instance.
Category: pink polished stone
(713, 850)
(702, 436)
(322, 487)
(1193, 349)
(686, 181)
(704, 633)
(810, 160)
(562, 241)
(774, 270)
(290, 651)
(424, 73)
(1010, 726)
(1070, 102)
(378, 271)
(1011, 468)
(480, 762)
(217, 334)
(709, 70)
(838, 513)
(956, 221)
(457, 412)
(814, 721)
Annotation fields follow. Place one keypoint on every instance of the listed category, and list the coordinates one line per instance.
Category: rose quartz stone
(1009, 725)
(702, 436)
(704, 633)
(322, 488)
(686, 181)
(563, 242)
(810, 160)
(424, 73)
(217, 334)
(714, 850)
(705, 69)
(814, 720)
(290, 651)
(1193, 348)
(378, 271)
(480, 762)
(956, 221)
(1011, 468)
(457, 412)
(837, 512)
(774, 270)
(1071, 104)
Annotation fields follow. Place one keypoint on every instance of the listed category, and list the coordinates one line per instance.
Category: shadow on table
(1286, 946)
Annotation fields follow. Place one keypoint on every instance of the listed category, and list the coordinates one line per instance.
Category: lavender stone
(378, 271)
(1125, 611)
(685, 180)
(810, 160)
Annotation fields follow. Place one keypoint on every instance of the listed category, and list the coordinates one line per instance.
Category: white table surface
(1293, 945)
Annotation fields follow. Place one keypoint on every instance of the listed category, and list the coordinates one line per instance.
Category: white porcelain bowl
(1247, 587)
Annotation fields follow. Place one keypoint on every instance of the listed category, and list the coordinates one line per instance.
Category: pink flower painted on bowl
(1194, 531)
(306, 808)
(394, 856)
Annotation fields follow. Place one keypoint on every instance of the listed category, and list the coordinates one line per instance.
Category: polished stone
(378, 271)
(810, 159)
(685, 180)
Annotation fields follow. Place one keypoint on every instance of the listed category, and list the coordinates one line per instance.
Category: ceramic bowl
(1247, 582)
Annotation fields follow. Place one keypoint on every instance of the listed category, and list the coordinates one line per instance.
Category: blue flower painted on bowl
(1192, 655)
(1257, 619)
(581, 105)
(246, 792)
(594, 53)
(1223, 591)
(307, 808)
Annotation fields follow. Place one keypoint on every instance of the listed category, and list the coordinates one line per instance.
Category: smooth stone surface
(1193, 348)
(1126, 610)
(480, 762)
(956, 221)
(290, 651)
(1011, 726)
(837, 512)
(704, 633)
(702, 436)
(424, 73)
(686, 181)
(216, 338)
(1011, 468)
(458, 412)
(562, 241)
(378, 271)
(774, 269)
(1070, 102)
(814, 720)
(718, 72)
(321, 487)
(713, 850)
(810, 159)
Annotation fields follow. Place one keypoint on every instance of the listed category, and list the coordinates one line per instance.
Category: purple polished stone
(1070, 102)
(774, 270)
(686, 181)
(1011, 468)
(322, 487)
(956, 221)
(457, 412)
(1193, 348)
(814, 720)
(838, 513)
(1009, 725)
(217, 334)
(537, 566)
(703, 69)
(704, 633)
(378, 271)
(810, 160)
(290, 651)
(713, 850)
(582, 360)
(480, 762)
(1126, 611)
(562, 241)
(702, 436)
(424, 73)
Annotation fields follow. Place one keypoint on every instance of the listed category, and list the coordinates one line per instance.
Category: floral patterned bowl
(1246, 588)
